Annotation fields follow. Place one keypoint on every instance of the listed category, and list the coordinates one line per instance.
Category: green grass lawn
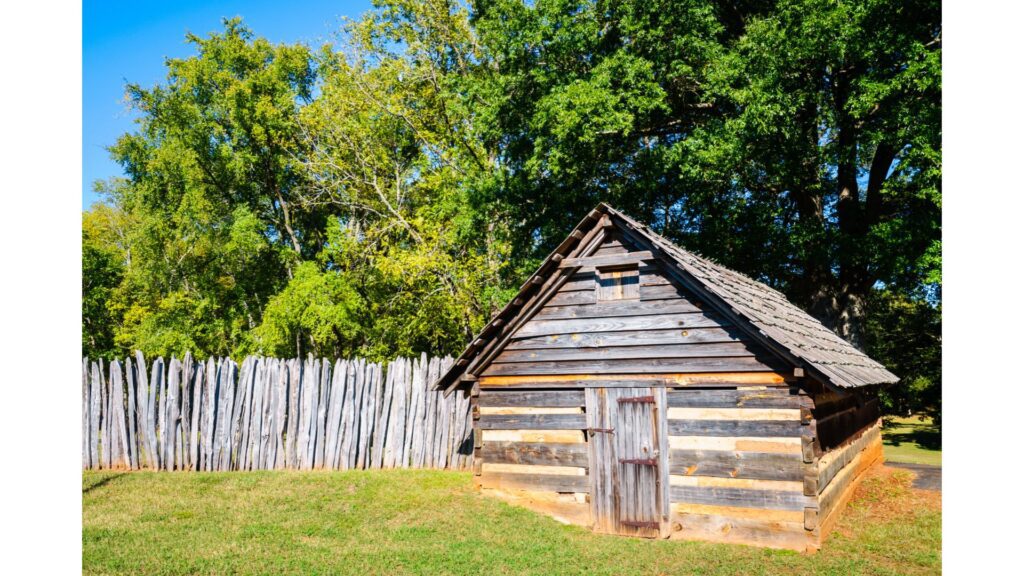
(427, 522)
(912, 440)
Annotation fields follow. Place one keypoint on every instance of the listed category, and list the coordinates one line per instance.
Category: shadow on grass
(101, 481)
(924, 435)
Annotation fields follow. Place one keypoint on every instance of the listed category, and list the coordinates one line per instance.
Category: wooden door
(627, 440)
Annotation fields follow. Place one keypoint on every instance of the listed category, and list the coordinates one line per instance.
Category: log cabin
(640, 389)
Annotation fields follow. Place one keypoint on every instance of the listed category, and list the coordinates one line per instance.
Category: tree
(905, 334)
(799, 136)
(103, 264)
(315, 307)
(211, 176)
(395, 158)
(385, 194)
(266, 220)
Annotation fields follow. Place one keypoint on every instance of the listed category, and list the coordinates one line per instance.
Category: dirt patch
(887, 494)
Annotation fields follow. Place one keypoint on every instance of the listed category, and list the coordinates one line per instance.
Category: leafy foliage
(210, 180)
(905, 334)
(320, 306)
(264, 220)
(102, 273)
(385, 194)
(796, 141)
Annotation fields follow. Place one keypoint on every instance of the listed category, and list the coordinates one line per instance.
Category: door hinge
(593, 431)
(637, 400)
(640, 461)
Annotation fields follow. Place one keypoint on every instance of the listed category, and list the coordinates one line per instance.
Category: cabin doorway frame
(627, 437)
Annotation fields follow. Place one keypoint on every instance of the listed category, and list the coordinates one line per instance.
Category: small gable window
(619, 283)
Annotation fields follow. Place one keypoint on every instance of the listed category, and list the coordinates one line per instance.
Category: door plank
(628, 461)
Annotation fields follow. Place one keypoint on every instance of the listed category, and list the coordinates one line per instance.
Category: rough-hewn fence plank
(271, 413)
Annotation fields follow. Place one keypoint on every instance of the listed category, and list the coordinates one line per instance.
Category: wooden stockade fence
(271, 413)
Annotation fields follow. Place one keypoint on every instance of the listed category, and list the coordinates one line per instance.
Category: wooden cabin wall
(534, 441)
(737, 463)
(771, 467)
(745, 463)
(848, 429)
(840, 416)
(664, 329)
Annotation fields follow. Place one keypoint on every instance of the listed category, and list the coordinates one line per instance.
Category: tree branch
(885, 154)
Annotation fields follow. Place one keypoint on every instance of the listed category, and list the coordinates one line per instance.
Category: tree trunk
(850, 318)
(841, 310)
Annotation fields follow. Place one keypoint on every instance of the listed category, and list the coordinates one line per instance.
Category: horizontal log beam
(531, 410)
(627, 338)
(517, 468)
(737, 444)
(634, 366)
(739, 398)
(560, 436)
(746, 483)
(532, 421)
(538, 482)
(553, 398)
(678, 321)
(737, 512)
(741, 497)
(732, 464)
(738, 530)
(729, 379)
(775, 428)
(573, 298)
(536, 453)
(700, 350)
(619, 308)
(734, 413)
(662, 292)
(626, 259)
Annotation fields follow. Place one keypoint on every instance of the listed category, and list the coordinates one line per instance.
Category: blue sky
(128, 41)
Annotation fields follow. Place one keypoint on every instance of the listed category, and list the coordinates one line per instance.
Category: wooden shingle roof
(763, 312)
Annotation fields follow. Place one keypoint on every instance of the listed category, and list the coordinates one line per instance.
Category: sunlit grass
(427, 522)
(912, 440)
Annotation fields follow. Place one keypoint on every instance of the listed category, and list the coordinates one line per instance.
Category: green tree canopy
(384, 194)
(797, 141)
